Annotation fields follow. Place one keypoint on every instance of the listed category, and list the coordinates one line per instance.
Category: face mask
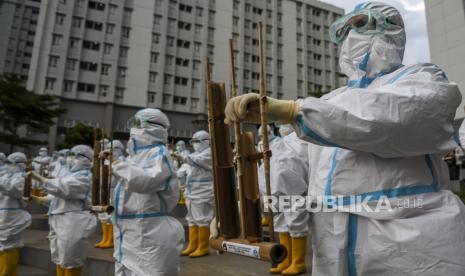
(353, 53)
(69, 161)
(62, 160)
(11, 169)
(196, 146)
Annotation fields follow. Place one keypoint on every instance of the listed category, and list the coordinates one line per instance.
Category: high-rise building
(18, 22)
(446, 33)
(106, 59)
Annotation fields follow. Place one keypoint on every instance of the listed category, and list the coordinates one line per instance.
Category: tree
(20, 107)
(78, 135)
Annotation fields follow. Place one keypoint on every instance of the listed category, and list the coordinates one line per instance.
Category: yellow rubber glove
(245, 108)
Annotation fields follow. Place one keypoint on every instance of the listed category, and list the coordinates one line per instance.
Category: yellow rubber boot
(204, 239)
(193, 240)
(108, 242)
(60, 271)
(73, 271)
(265, 221)
(285, 240)
(9, 262)
(104, 237)
(299, 249)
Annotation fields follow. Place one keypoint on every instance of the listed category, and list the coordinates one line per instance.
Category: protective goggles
(135, 122)
(367, 22)
(192, 141)
(75, 154)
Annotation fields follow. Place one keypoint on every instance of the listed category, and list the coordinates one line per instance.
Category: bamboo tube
(96, 171)
(266, 251)
(264, 123)
(237, 139)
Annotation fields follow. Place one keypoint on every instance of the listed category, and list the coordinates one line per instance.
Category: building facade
(446, 33)
(18, 21)
(106, 59)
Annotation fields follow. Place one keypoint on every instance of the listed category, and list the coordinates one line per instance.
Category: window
(166, 98)
(110, 28)
(247, 23)
(195, 84)
(316, 42)
(89, 66)
(127, 12)
(316, 56)
(153, 77)
(255, 75)
(59, 19)
(167, 79)
(170, 41)
(235, 21)
(185, 8)
(153, 57)
(198, 29)
(248, 7)
(158, 3)
(179, 100)
(182, 62)
(257, 10)
(198, 11)
(56, 39)
(197, 46)
(96, 5)
(255, 41)
(151, 96)
(184, 26)
(50, 83)
(77, 22)
(280, 64)
(246, 57)
(183, 43)
(155, 38)
(123, 51)
(246, 74)
(94, 25)
(86, 44)
(196, 65)
(68, 85)
(194, 103)
(52, 61)
(71, 64)
(125, 32)
(119, 94)
(103, 90)
(157, 19)
(105, 69)
(86, 87)
(121, 71)
(181, 81)
(255, 58)
(247, 40)
(112, 9)
(169, 60)
(316, 27)
(269, 44)
(107, 47)
(317, 72)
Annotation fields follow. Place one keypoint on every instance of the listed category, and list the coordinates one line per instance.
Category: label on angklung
(241, 249)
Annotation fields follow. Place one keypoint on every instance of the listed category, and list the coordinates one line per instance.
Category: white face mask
(62, 160)
(197, 146)
(353, 52)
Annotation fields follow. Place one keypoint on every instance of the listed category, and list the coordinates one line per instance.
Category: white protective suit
(261, 169)
(289, 177)
(382, 137)
(147, 240)
(185, 169)
(13, 218)
(199, 184)
(60, 167)
(462, 134)
(71, 196)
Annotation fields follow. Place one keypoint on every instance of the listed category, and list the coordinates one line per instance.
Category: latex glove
(42, 200)
(246, 108)
(116, 162)
(37, 177)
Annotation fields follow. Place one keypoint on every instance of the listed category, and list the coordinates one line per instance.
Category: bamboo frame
(264, 123)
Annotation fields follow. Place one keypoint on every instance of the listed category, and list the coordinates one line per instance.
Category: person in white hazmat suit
(13, 218)
(147, 240)
(183, 170)
(105, 218)
(40, 165)
(70, 222)
(272, 139)
(61, 167)
(378, 139)
(199, 195)
(289, 177)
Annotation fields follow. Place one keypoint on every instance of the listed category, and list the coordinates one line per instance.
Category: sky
(413, 13)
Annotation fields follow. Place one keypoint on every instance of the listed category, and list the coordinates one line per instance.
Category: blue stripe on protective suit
(197, 164)
(353, 219)
(198, 181)
(312, 134)
(359, 7)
